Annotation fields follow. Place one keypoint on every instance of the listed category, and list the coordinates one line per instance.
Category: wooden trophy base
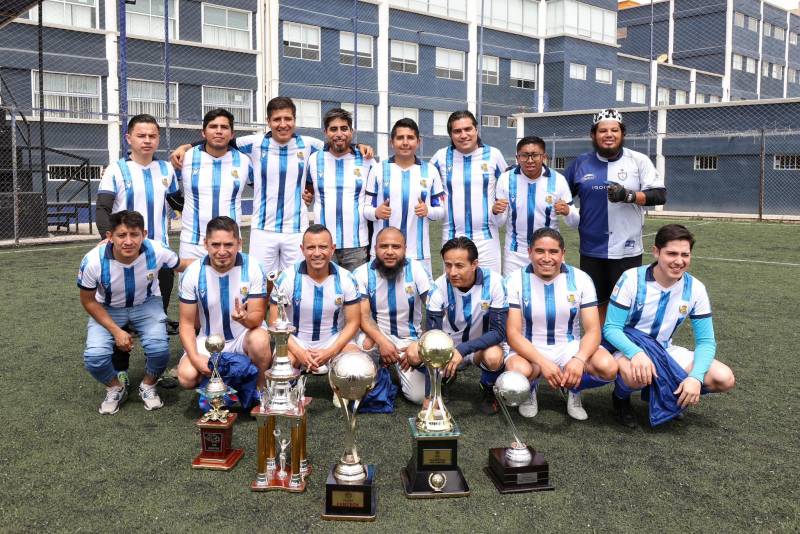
(215, 439)
(273, 482)
(508, 478)
(350, 502)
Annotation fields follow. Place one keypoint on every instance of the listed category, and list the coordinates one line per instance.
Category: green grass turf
(729, 466)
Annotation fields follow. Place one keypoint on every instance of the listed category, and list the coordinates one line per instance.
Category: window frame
(227, 10)
(33, 15)
(343, 52)
(522, 83)
(737, 62)
(635, 87)
(739, 19)
(440, 129)
(173, 100)
(509, 121)
(752, 24)
(575, 69)
(559, 160)
(792, 164)
(403, 61)
(66, 113)
(490, 121)
(367, 110)
(486, 75)
(174, 32)
(203, 102)
(610, 72)
(446, 72)
(303, 46)
(662, 92)
(684, 97)
(301, 104)
(93, 170)
(705, 163)
(395, 109)
(751, 65)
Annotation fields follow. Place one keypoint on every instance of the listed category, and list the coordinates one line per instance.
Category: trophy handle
(350, 454)
(517, 442)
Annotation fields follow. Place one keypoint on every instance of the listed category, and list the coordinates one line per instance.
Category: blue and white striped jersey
(657, 311)
(396, 304)
(611, 230)
(212, 187)
(469, 181)
(317, 310)
(143, 189)
(551, 310)
(466, 314)
(531, 204)
(215, 294)
(278, 185)
(122, 286)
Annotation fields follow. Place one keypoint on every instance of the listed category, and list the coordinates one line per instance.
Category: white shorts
(514, 260)
(188, 251)
(683, 356)
(560, 353)
(489, 254)
(412, 381)
(316, 345)
(234, 345)
(276, 251)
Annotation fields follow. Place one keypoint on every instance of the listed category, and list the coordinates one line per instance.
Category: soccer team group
(360, 276)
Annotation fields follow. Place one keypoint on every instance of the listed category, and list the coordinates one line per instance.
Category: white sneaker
(336, 402)
(115, 395)
(530, 407)
(575, 407)
(150, 397)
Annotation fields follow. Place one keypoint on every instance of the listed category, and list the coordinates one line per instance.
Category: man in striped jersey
(338, 176)
(406, 193)
(228, 291)
(530, 195)
(396, 288)
(549, 302)
(213, 178)
(119, 288)
(656, 299)
(469, 171)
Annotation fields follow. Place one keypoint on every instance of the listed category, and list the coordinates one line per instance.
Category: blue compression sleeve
(494, 336)
(613, 333)
(705, 347)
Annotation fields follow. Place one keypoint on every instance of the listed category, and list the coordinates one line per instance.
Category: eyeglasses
(529, 156)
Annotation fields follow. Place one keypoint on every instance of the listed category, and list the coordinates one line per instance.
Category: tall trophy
(433, 468)
(350, 491)
(216, 425)
(518, 468)
(281, 462)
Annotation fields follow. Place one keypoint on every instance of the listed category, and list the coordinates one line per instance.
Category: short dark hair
(673, 232)
(316, 229)
(280, 102)
(405, 122)
(223, 223)
(129, 218)
(547, 232)
(463, 243)
(532, 140)
(218, 112)
(458, 115)
(337, 113)
(142, 118)
(621, 127)
(389, 229)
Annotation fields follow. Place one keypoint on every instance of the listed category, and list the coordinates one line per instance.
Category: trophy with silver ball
(216, 425)
(518, 468)
(350, 490)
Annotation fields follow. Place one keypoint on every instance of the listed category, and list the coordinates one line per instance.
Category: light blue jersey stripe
(531, 211)
(150, 199)
(487, 156)
(339, 203)
(317, 313)
(202, 288)
(527, 305)
(659, 318)
(337, 287)
(321, 184)
(130, 285)
(105, 273)
(216, 186)
(466, 304)
(409, 279)
(297, 295)
(550, 312)
(468, 196)
(372, 288)
(392, 298)
(551, 190)
(283, 167)
(196, 157)
(421, 223)
(513, 183)
(405, 184)
(128, 180)
(641, 295)
(573, 311)
(262, 215)
(225, 305)
(449, 187)
(357, 213)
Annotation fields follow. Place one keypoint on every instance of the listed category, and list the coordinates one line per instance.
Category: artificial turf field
(730, 465)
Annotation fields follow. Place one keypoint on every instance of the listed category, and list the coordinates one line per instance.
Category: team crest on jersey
(300, 155)
(244, 291)
(484, 305)
(165, 181)
(338, 301)
(622, 175)
(410, 290)
(235, 173)
(484, 167)
(683, 309)
(150, 277)
(423, 183)
(549, 199)
(357, 171)
(571, 298)
(587, 177)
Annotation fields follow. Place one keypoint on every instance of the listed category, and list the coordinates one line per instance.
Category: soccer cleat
(115, 395)
(488, 403)
(150, 397)
(575, 406)
(530, 407)
(623, 412)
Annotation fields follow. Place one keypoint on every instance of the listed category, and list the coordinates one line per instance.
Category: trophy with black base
(350, 490)
(433, 468)
(518, 468)
(216, 425)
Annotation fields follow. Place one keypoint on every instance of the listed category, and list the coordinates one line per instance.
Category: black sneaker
(172, 327)
(623, 412)
(488, 403)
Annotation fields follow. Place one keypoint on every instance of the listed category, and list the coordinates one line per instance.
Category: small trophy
(349, 491)
(518, 468)
(281, 402)
(216, 425)
(433, 468)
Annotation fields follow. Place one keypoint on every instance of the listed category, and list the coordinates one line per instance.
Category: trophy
(350, 491)
(518, 468)
(216, 425)
(282, 404)
(433, 468)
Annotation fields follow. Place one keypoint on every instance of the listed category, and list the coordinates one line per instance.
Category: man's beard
(608, 152)
(389, 273)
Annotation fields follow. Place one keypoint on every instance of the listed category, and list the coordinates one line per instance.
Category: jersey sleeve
(108, 183)
(246, 143)
(649, 178)
(166, 257)
(173, 186)
(361, 277)
(88, 273)
(436, 194)
(514, 289)
(500, 163)
(421, 278)
(501, 193)
(701, 306)
(315, 143)
(436, 299)
(188, 288)
(351, 293)
(563, 192)
(372, 191)
(624, 292)
(588, 291)
(499, 293)
(258, 280)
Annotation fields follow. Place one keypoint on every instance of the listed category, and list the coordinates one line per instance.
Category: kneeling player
(549, 302)
(655, 299)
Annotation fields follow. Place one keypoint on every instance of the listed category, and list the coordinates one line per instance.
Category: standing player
(338, 175)
(469, 171)
(119, 288)
(213, 178)
(656, 299)
(227, 290)
(396, 288)
(549, 303)
(534, 194)
(613, 183)
(406, 193)
(470, 303)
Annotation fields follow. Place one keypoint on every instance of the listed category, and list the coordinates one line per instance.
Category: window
(714, 98)
(395, 114)
(490, 70)
(559, 162)
(576, 18)
(786, 162)
(68, 96)
(779, 33)
(662, 96)
(450, 8)
(61, 173)
(602, 76)
(777, 71)
(699, 98)
(146, 17)
(577, 71)
(767, 29)
(449, 64)
(737, 62)
(751, 65)
(791, 75)
(238, 101)
(792, 38)
(309, 114)
(491, 121)
(440, 122)
(511, 122)
(300, 41)
(347, 50)
(620, 90)
(681, 97)
(752, 24)
(150, 97)
(365, 122)
(514, 15)
(523, 75)
(765, 69)
(622, 33)
(738, 19)
(403, 57)
(225, 26)
(705, 163)
(77, 13)
(638, 93)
